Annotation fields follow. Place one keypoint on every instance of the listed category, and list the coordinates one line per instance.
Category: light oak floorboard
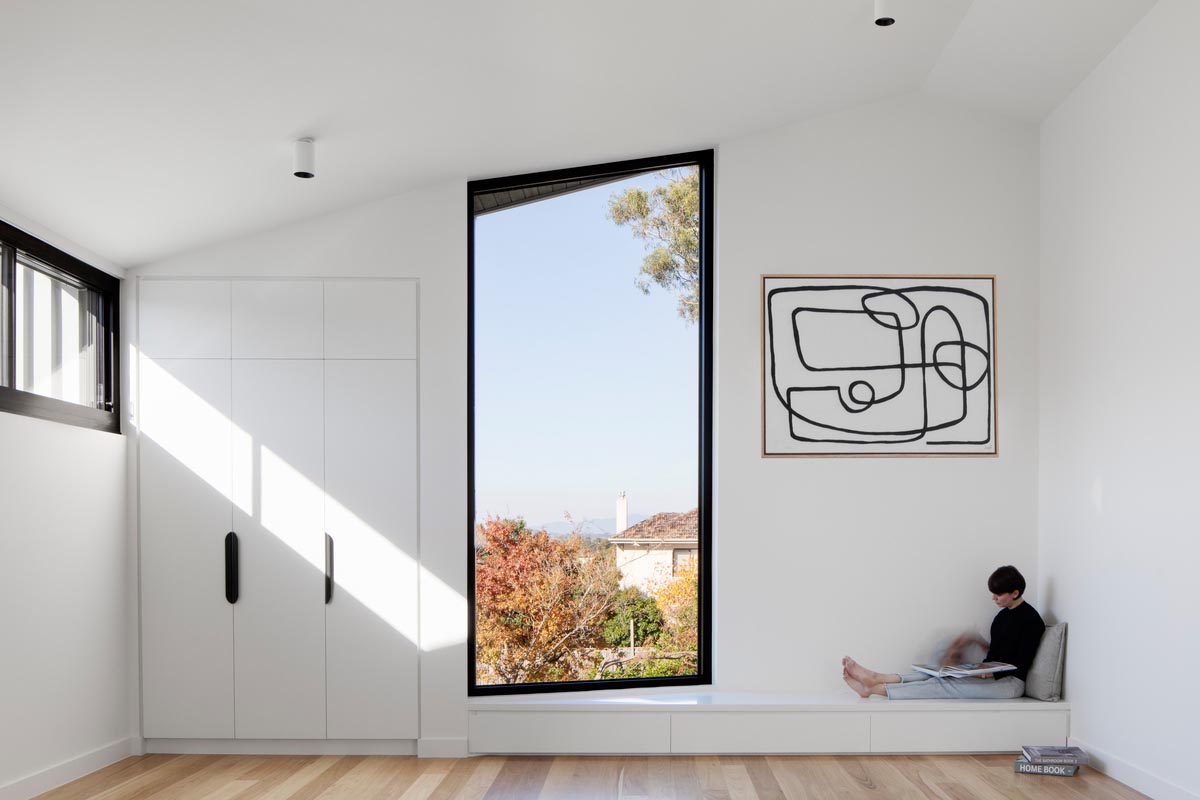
(738, 782)
(230, 790)
(151, 781)
(711, 777)
(209, 780)
(287, 776)
(430, 777)
(109, 776)
(520, 778)
(205, 777)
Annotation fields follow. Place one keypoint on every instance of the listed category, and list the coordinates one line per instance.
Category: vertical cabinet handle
(328, 568)
(231, 567)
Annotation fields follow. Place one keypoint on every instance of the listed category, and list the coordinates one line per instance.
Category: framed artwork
(874, 365)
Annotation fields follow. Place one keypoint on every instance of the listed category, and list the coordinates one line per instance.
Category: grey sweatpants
(919, 686)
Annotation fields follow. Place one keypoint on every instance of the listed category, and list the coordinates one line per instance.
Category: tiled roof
(665, 527)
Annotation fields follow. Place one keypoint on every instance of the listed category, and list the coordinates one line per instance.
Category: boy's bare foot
(860, 673)
(857, 686)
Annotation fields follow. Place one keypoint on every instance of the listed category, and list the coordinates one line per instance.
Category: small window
(681, 559)
(58, 334)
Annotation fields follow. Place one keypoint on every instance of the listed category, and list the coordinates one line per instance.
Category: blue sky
(584, 386)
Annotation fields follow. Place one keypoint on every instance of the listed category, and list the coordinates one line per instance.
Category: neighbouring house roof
(665, 527)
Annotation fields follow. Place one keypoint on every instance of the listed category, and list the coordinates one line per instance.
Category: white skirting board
(1133, 776)
(728, 726)
(442, 747)
(285, 747)
(67, 771)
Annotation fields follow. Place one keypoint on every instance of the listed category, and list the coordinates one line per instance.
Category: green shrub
(651, 668)
(631, 604)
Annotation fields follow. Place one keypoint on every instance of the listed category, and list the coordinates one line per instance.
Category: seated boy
(1016, 632)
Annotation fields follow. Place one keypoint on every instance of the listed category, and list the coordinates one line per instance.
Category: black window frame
(67, 268)
(596, 174)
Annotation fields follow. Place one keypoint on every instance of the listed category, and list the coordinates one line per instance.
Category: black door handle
(231, 567)
(328, 568)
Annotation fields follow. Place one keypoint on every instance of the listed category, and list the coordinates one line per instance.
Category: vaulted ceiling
(142, 128)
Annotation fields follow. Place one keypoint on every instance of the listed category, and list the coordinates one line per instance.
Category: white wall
(63, 664)
(420, 235)
(646, 567)
(874, 557)
(1120, 543)
(877, 557)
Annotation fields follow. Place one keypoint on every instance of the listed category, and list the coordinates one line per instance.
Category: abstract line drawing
(873, 365)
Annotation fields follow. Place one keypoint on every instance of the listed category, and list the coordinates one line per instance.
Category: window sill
(28, 404)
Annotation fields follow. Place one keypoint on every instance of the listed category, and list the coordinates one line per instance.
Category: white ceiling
(142, 128)
(1022, 57)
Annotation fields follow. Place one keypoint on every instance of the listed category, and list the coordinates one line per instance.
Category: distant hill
(595, 528)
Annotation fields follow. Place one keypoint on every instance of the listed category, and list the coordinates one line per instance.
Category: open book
(963, 670)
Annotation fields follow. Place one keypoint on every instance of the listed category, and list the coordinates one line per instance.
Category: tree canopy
(678, 598)
(540, 603)
(667, 219)
(632, 606)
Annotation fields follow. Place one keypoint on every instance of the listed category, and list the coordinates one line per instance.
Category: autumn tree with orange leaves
(678, 598)
(540, 603)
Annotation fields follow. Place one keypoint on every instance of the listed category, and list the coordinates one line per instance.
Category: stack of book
(1036, 760)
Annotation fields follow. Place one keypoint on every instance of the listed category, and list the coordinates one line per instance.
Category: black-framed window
(550, 288)
(59, 351)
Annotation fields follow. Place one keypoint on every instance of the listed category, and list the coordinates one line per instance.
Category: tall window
(58, 335)
(590, 427)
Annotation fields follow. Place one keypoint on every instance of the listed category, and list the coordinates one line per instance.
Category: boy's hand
(954, 652)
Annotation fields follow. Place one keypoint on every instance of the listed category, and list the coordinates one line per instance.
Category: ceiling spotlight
(883, 13)
(304, 160)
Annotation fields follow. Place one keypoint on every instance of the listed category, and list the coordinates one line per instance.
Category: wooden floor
(182, 777)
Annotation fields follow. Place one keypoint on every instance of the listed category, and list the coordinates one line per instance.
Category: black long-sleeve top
(1016, 634)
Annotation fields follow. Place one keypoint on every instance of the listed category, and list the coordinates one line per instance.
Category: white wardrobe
(278, 508)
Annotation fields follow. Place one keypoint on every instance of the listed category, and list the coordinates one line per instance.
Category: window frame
(64, 267)
(704, 161)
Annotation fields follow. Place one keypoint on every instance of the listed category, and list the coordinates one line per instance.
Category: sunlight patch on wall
(444, 614)
(190, 444)
(366, 564)
(289, 502)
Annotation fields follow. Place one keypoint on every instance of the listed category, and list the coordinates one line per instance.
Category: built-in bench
(721, 722)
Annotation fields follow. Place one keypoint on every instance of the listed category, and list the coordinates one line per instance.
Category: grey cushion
(1045, 678)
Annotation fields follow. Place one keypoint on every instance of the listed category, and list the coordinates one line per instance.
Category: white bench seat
(740, 722)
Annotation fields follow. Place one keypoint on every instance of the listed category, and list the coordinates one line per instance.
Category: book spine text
(1065, 770)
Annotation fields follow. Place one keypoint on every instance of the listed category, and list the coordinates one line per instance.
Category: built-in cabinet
(283, 412)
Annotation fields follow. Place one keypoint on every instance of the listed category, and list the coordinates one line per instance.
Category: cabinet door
(187, 624)
(371, 518)
(183, 318)
(277, 319)
(373, 318)
(279, 620)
